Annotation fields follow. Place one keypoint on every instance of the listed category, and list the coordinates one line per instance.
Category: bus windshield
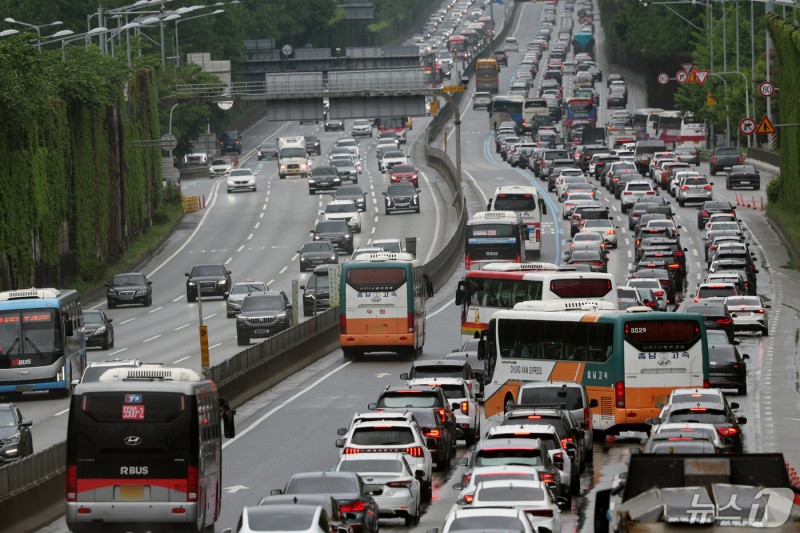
(33, 336)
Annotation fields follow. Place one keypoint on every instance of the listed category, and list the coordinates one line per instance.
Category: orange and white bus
(487, 75)
(382, 304)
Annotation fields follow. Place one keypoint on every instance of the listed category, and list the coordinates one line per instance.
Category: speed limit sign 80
(766, 89)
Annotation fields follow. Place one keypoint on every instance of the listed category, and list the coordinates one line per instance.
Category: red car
(401, 173)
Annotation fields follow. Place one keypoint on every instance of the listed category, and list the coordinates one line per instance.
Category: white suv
(463, 400)
(392, 158)
(346, 210)
(361, 127)
(381, 436)
(634, 190)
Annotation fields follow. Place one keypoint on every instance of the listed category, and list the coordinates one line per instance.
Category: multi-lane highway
(292, 427)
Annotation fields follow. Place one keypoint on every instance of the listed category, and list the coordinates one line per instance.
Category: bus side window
(227, 415)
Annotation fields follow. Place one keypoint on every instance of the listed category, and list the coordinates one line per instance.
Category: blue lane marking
(489, 155)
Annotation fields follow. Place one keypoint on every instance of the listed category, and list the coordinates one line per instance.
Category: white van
(292, 157)
(512, 45)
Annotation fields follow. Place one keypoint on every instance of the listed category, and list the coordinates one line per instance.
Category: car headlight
(281, 315)
(333, 257)
(241, 319)
(141, 292)
(311, 180)
(191, 283)
(259, 153)
(100, 330)
(348, 236)
(11, 439)
(337, 178)
(303, 166)
(283, 167)
(316, 237)
(222, 282)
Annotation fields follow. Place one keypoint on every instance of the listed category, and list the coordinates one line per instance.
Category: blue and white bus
(506, 108)
(42, 341)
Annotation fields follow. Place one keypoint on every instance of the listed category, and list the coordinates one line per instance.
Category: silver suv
(693, 189)
(634, 190)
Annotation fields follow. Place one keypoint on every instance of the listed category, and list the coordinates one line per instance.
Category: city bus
(42, 340)
(439, 78)
(675, 127)
(382, 304)
(503, 285)
(144, 450)
(487, 75)
(506, 108)
(581, 111)
(493, 236)
(395, 124)
(458, 47)
(535, 113)
(645, 122)
(629, 362)
(526, 202)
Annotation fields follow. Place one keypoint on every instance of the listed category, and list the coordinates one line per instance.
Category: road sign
(681, 76)
(168, 142)
(747, 126)
(663, 78)
(453, 88)
(701, 75)
(589, 20)
(766, 89)
(687, 66)
(434, 108)
(765, 127)
(581, 12)
(692, 78)
(581, 20)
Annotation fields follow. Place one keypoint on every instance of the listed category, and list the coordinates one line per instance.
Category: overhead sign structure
(701, 76)
(765, 127)
(747, 126)
(766, 89)
(663, 78)
(681, 76)
(453, 88)
(687, 66)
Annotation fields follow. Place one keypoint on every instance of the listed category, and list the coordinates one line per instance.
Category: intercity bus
(506, 108)
(526, 202)
(42, 340)
(144, 451)
(487, 75)
(382, 304)
(645, 122)
(501, 286)
(493, 236)
(629, 362)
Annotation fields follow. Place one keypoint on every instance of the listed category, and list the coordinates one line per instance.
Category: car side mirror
(107, 285)
(276, 492)
(341, 431)
(372, 406)
(404, 375)
(655, 421)
(149, 282)
(456, 406)
(109, 320)
(563, 503)
(26, 423)
(462, 461)
(734, 405)
(340, 443)
(741, 420)
(458, 486)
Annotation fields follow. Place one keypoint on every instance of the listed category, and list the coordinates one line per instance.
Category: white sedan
(749, 313)
(532, 497)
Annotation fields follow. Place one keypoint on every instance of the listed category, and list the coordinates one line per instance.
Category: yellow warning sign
(693, 76)
(765, 127)
(434, 109)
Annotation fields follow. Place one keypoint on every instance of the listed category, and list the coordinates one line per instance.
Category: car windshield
(394, 155)
(371, 465)
(332, 226)
(382, 436)
(241, 172)
(207, 270)
(593, 224)
(361, 122)
(341, 163)
(267, 302)
(349, 191)
(403, 169)
(700, 415)
(569, 396)
(752, 301)
(409, 400)
(401, 189)
(269, 519)
(220, 162)
(322, 485)
(683, 445)
(323, 246)
(92, 318)
(489, 524)
(247, 288)
(454, 391)
(341, 208)
(439, 371)
(128, 279)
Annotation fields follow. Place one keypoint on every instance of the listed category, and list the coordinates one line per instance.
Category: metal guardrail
(765, 156)
(32, 470)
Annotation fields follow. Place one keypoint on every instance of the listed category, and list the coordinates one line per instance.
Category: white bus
(645, 122)
(526, 202)
(493, 236)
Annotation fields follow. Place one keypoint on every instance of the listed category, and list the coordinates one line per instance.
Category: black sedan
(98, 329)
(715, 314)
(352, 192)
(208, 280)
(727, 368)
(337, 232)
(316, 253)
(16, 440)
(263, 315)
(743, 176)
(325, 178)
(346, 487)
(710, 207)
(585, 256)
(129, 288)
(616, 99)
(268, 150)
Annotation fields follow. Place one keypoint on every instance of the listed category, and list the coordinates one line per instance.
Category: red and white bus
(458, 47)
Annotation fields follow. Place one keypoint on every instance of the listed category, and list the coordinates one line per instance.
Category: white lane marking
(126, 321)
(239, 249)
(181, 327)
(151, 338)
(442, 308)
(261, 215)
(376, 209)
(65, 411)
(214, 346)
(209, 316)
(229, 260)
(181, 359)
(373, 230)
(270, 282)
(178, 298)
(257, 225)
(295, 256)
(277, 408)
(156, 309)
(376, 220)
(118, 351)
(435, 196)
(477, 187)
(249, 236)
(283, 270)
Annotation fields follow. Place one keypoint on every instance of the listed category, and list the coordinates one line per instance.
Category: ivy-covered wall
(786, 36)
(75, 187)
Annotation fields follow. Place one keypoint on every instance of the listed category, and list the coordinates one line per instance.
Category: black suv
(317, 293)
(323, 179)
(129, 288)
(212, 280)
(743, 176)
(723, 158)
(569, 430)
(336, 231)
(401, 197)
(312, 145)
(263, 314)
(352, 192)
(501, 57)
(709, 208)
(230, 142)
(16, 440)
(715, 314)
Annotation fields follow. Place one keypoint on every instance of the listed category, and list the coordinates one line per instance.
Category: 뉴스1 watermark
(740, 506)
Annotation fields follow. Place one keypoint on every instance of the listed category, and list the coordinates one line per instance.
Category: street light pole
(37, 28)
(746, 98)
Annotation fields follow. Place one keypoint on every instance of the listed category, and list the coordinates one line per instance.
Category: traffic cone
(754, 203)
(738, 202)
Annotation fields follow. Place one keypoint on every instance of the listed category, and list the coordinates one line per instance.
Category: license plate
(126, 297)
(262, 332)
(744, 182)
(131, 493)
(402, 205)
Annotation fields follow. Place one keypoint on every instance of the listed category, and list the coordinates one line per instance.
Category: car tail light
(678, 254)
(400, 484)
(565, 441)
(651, 304)
(705, 213)
(627, 192)
(353, 507)
(598, 263)
(72, 483)
(414, 451)
(342, 324)
(727, 431)
(619, 394)
(587, 417)
(465, 407)
(761, 311)
(558, 460)
(545, 513)
(684, 187)
(611, 232)
(442, 415)
(740, 159)
(434, 433)
(466, 261)
(192, 484)
(411, 322)
(706, 384)
(352, 451)
(548, 478)
(724, 321)
(674, 266)
(714, 159)
(659, 294)
(708, 187)
(469, 497)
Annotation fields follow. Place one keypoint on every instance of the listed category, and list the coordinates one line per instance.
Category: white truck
(292, 157)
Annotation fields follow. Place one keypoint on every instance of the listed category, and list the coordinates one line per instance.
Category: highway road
(292, 428)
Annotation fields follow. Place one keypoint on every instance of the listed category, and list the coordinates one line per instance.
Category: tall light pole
(85, 36)
(178, 21)
(169, 15)
(35, 27)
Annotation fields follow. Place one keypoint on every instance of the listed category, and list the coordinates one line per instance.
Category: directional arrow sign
(766, 89)
(701, 76)
(235, 489)
(663, 78)
(681, 76)
(747, 126)
(765, 127)
(687, 66)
